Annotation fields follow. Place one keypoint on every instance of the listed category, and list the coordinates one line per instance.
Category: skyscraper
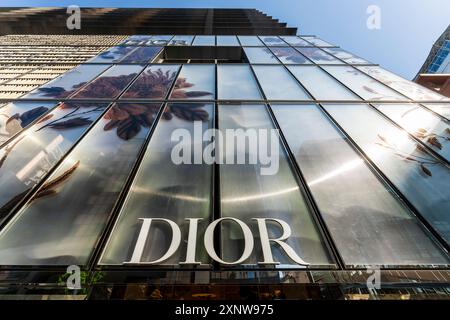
(109, 164)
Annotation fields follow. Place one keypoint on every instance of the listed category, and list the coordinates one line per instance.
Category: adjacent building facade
(357, 208)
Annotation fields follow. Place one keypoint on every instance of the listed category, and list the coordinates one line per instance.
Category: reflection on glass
(289, 55)
(321, 85)
(114, 54)
(163, 189)
(317, 41)
(319, 56)
(98, 166)
(250, 41)
(27, 158)
(204, 41)
(441, 109)
(421, 123)
(15, 116)
(67, 83)
(422, 179)
(111, 83)
(247, 194)
(272, 41)
(195, 82)
(142, 55)
(408, 88)
(227, 41)
(278, 84)
(236, 82)
(153, 82)
(295, 41)
(181, 41)
(366, 220)
(346, 56)
(259, 55)
(363, 85)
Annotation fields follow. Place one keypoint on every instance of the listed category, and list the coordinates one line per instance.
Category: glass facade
(87, 173)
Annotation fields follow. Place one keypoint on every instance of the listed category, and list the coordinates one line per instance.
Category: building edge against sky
(363, 180)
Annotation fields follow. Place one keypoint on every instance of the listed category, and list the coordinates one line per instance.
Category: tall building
(435, 72)
(107, 163)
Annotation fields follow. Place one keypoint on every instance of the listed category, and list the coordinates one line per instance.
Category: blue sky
(408, 27)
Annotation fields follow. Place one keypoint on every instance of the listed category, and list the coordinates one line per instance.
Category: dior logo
(208, 241)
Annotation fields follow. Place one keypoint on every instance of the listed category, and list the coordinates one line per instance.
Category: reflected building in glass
(91, 125)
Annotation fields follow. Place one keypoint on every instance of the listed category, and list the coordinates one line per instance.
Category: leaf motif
(369, 90)
(435, 142)
(425, 170)
(71, 123)
(447, 130)
(48, 187)
(128, 129)
(45, 118)
(29, 116)
(382, 138)
(421, 148)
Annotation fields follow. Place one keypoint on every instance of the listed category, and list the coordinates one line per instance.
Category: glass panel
(236, 82)
(422, 123)
(98, 167)
(142, 55)
(278, 84)
(410, 89)
(419, 176)
(250, 41)
(163, 189)
(67, 83)
(248, 194)
(260, 55)
(272, 41)
(17, 115)
(153, 82)
(289, 55)
(318, 42)
(195, 82)
(441, 109)
(367, 222)
(181, 41)
(320, 84)
(111, 83)
(319, 56)
(204, 41)
(112, 55)
(361, 84)
(295, 41)
(159, 40)
(27, 158)
(345, 55)
(227, 41)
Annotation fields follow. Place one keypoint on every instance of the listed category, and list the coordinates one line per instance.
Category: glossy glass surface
(246, 194)
(408, 88)
(319, 56)
(317, 41)
(236, 82)
(153, 83)
(423, 124)
(421, 178)
(250, 41)
(99, 166)
(367, 222)
(278, 84)
(289, 55)
(195, 82)
(142, 55)
(295, 41)
(441, 109)
(163, 189)
(111, 83)
(272, 41)
(204, 41)
(227, 41)
(260, 55)
(345, 55)
(114, 54)
(68, 83)
(320, 84)
(27, 158)
(181, 41)
(15, 116)
(363, 85)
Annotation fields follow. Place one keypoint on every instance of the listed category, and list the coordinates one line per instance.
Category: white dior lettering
(208, 241)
